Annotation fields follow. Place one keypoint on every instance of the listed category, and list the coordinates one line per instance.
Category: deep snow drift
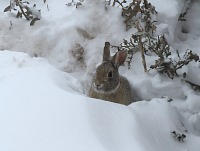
(43, 108)
(43, 100)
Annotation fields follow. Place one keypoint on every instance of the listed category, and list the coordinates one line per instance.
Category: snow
(43, 101)
(36, 13)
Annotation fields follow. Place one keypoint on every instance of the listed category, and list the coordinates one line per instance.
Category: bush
(30, 13)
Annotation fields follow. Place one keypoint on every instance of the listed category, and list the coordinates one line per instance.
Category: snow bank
(38, 112)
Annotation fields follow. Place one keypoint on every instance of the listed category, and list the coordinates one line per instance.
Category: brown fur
(122, 96)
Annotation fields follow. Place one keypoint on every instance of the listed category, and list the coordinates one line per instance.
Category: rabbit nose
(97, 84)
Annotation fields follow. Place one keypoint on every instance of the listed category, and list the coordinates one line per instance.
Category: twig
(47, 7)
(193, 85)
(21, 8)
(142, 53)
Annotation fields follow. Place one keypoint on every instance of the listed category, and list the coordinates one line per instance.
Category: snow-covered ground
(43, 100)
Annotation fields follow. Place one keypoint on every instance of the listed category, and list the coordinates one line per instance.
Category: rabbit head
(107, 77)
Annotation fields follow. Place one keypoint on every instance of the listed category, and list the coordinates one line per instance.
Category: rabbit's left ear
(119, 58)
(106, 52)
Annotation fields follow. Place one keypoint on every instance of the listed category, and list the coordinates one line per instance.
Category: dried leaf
(33, 21)
(19, 14)
(7, 9)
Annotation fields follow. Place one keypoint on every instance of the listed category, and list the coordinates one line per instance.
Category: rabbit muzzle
(98, 86)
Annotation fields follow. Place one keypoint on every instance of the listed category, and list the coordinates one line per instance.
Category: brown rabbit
(107, 83)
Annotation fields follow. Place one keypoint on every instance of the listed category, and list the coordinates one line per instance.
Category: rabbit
(107, 83)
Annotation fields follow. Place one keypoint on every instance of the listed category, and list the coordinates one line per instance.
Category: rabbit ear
(106, 52)
(119, 58)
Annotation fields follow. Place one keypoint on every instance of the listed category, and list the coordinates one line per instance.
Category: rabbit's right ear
(119, 58)
(106, 52)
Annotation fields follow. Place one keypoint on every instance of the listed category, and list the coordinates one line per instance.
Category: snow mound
(39, 112)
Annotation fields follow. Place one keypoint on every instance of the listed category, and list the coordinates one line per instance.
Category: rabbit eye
(110, 74)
